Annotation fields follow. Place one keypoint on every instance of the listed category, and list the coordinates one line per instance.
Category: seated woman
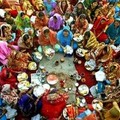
(65, 38)
(99, 27)
(90, 42)
(8, 77)
(62, 7)
(68, 19)
(22, 22)
(113, 32)
(25, 42)
(81, 24)
(5, 51)
(49, 6)
(93, 11)
(47, 39)
(79, 9)
(40, 21)
(6, 33)
(108, 11)
(55, 22)
(27, 7)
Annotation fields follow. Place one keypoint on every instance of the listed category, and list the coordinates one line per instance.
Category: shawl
(92, 42)
(22, 23)
(50, 41)
(5, 51)
(58, 24)
(49, 5)
(40, 23)
(65, 40)
(81, 25)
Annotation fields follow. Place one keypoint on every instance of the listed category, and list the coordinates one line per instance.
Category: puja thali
(83, 89)
(97, 104)
(52, 79)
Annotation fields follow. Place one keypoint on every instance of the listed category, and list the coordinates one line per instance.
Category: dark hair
(40, 14)
(87, 33)
(46, 31)
(25, 37)
(22, 14)
(55, 17)
(83, 16)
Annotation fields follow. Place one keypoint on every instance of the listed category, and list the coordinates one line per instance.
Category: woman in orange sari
(47, 40)
(40, 21)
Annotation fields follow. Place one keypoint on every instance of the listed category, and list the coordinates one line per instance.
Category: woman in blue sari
(113, 32)
(65, 37)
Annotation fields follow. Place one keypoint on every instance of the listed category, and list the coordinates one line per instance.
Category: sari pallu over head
(43, 41)
(65, 40)
(99, 27)
(55, 25)
(92, 42)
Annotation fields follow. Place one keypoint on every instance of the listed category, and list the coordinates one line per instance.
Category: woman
(62, 7)
(49, 6)
(28, 104)
(55, 22)
(99, 27)
(27, 7)
(5, 51)
(7, 77)
(90, 42)
(113, 32)
(81, 24)
(22, 22)
(93, 11)
(40, 21)
(25, 42)
(79, 9)
(47, 39)
(108, 11)
(65, 38)
(6, 33)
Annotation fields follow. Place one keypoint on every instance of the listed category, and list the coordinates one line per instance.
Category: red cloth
(99, 27)
(13, 13)
(4, 79)
(52, 110)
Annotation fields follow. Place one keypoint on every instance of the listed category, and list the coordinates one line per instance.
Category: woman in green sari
(22, 22)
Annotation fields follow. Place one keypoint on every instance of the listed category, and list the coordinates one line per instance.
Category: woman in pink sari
(5, 50)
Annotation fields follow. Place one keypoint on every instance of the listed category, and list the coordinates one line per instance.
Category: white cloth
(100, 76)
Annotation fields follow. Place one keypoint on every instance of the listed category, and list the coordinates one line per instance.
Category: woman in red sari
(7, 77)
(99, 27)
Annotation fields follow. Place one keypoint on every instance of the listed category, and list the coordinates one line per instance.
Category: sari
(55, 25)
(7, 77)
(63, 9)
(27, 105)
(22, 23)
(27, 7)
(108, 12)
(99, 28)
(87, 3)
(66, 40)
(5, 51)
(92, 42)
(49, 5)
(114, 33)
(78, 11)
(41, 22)
(43, 41)
(81, 26)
